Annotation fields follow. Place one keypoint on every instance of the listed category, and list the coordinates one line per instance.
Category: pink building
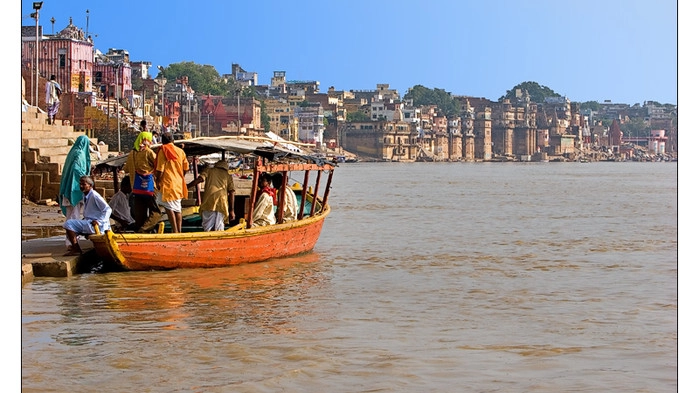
(656, 142)
(68, 55)
(110, 77)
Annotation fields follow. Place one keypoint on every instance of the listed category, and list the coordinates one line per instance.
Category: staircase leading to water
(44, 151)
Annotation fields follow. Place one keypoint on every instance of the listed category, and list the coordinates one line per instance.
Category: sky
(624, 51)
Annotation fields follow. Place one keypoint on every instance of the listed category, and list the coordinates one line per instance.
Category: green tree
(607, 122)
(591, 105)
(357, 116)
(204, 79)
(137, 84)
(421, 96)
(232, 88)
(537, 93)
(636, 127)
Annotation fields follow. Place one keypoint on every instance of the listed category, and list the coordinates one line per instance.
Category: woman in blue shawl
(77, 165)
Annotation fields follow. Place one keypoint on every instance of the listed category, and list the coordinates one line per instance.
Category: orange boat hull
(208, 249)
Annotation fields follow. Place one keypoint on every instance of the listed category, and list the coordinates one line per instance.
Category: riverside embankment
(43, 244)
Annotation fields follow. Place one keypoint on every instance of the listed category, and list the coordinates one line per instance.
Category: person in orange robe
(171, 165)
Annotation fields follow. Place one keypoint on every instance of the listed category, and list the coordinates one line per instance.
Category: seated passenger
(96, 212)
(290, 204)
(121, 208)
(263, 214)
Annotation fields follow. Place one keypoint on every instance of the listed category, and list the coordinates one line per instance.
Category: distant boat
(238, 244)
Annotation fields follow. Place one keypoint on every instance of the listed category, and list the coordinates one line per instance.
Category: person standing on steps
(53, 94)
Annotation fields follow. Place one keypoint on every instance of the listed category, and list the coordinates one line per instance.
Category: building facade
(68, 55)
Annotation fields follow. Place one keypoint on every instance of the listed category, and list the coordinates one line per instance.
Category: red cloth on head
(271, 191)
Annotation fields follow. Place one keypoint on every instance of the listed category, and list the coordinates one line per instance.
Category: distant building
(240, 76)
(311, 127)
(68, 55)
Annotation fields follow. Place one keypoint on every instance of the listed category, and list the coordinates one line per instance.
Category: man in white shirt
(95, 212)
(53, 92)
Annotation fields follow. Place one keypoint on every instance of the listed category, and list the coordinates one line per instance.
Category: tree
(422, 96)
(137, 83)
(537, 93)
(232, 88)
(590, 105)
(204, 79)
(636, 127)
(357, 116)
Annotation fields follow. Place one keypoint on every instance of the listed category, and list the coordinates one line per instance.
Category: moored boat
(242, 242)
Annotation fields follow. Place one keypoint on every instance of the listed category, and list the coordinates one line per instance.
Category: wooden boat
(237, 244)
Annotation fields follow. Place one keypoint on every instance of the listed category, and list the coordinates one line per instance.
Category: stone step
(53, 170)
(36, 123)
(54, 141)
(50, 131)
(36, 186)
(50, 151)
(61, 158)
(33, 120)
(33, 185)
(57, 158)
(34, 112)
(39, 143)
(44, 151)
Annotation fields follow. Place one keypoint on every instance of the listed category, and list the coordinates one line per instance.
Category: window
(98, 77)
(62, 57)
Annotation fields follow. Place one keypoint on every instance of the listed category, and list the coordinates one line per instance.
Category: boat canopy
(269, 149)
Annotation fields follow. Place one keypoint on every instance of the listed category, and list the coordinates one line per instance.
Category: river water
(428, 277)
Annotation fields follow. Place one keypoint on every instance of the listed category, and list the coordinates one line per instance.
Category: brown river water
(428, 277)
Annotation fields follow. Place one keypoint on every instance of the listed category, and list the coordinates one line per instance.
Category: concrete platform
(44, 258)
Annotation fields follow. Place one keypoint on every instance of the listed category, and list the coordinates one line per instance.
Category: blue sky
(594, 50)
